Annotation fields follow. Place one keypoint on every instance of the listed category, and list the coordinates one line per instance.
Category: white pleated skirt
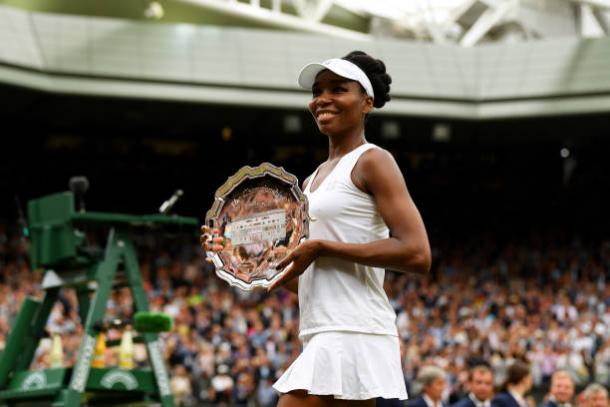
(347, 365)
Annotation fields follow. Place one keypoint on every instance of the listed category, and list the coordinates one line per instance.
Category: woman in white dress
(363, 221)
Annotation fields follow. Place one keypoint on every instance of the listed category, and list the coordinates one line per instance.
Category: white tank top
(336, 294)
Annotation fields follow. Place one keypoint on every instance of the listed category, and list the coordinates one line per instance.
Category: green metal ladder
(59, 248)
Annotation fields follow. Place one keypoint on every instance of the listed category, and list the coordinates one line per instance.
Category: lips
(325, 115)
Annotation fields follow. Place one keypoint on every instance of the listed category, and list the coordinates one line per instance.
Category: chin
(325, 129)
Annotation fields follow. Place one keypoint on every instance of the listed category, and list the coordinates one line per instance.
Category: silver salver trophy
(262, 215)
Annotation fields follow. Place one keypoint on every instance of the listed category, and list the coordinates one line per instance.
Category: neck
(477, 397)
(338, 146)
(516, 389)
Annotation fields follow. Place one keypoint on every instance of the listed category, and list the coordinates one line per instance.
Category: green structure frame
(59, 248)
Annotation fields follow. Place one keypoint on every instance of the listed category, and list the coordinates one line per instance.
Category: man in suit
(561, 391)
(480, 386)
(433, 380)
(518, 382)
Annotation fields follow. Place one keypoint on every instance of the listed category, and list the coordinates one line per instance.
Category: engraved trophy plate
(262, 215)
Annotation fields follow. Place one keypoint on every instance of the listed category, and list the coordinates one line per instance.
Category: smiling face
(562, 387)
(435, 389)
(598, 399)
(481, 384)
(339, 105)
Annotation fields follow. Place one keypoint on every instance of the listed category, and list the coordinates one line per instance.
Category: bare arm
(407, 249)
(292, 285)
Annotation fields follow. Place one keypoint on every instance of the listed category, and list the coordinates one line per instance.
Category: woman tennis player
(363, 221)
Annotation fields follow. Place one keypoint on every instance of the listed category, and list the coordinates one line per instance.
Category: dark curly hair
(375, 71)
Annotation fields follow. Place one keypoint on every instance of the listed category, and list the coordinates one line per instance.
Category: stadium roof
(237, 66)
(463, 22)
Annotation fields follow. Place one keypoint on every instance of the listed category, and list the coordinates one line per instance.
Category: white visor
(341, 67)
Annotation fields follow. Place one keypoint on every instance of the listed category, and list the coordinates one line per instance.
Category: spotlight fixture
(154, 11)
(441, 133)
(390, 130)
(292, 123)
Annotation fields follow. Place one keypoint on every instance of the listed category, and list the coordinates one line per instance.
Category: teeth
(325, 115)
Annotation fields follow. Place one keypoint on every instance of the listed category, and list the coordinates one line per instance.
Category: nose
(322, 98)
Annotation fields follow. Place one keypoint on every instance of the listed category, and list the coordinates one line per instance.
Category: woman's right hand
(210, 240)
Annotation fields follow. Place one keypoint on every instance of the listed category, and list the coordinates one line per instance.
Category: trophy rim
(249, 172)
(236, 282)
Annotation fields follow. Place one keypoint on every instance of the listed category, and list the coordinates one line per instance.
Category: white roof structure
(463, 22)
(443, 73)
(69, 54)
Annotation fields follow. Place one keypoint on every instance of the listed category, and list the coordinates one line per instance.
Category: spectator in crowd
(222, 384)
(561, 391)
(480, 386)
(266, 396)
(433, 380)
(595, 395)
(518, 382)
(484, 301)
(181, 386)
(244, 390)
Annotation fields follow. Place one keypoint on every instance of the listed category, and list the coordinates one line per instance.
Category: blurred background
(499, 120)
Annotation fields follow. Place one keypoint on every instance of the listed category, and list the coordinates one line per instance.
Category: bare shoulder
(377, 162)
(376, 156)
(373, 166)
(305, 183)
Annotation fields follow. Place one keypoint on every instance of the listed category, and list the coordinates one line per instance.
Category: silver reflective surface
(262, 215)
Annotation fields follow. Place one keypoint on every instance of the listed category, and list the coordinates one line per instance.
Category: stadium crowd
(541, 299)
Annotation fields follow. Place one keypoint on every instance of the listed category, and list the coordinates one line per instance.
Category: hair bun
(375, 70)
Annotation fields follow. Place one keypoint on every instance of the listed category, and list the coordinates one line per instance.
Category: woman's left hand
(301, 257)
